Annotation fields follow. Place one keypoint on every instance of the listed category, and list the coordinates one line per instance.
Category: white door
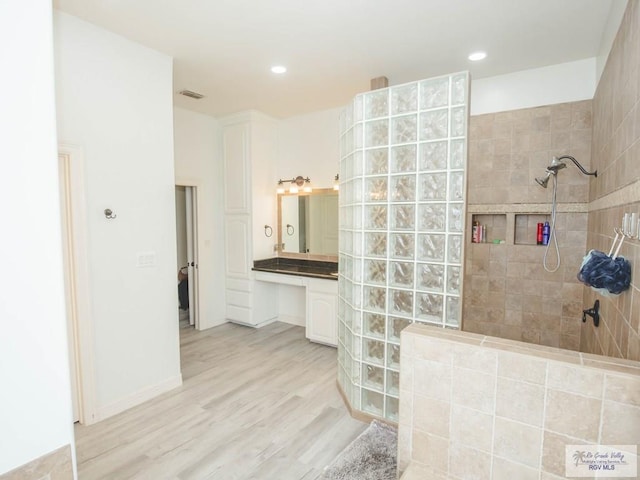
(192, 252)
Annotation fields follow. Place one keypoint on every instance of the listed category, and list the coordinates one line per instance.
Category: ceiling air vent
(189, 93)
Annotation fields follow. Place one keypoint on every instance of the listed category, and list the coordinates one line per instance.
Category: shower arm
(577, 164)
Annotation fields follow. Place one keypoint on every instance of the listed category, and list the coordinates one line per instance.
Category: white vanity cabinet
(322, 311)
(249, 151)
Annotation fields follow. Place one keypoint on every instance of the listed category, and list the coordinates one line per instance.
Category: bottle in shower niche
(475, 232)
(539, 234)
(546, 230)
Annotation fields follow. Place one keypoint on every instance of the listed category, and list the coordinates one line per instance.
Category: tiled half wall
(473, 406)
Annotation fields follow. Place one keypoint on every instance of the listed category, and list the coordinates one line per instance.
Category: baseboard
(292, 320)
(360, 415)
(138, 397)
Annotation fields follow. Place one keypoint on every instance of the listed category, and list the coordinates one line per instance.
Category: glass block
(373, 351)
(358, 163)
(453, 280)
(376, 161)
(434, 125)
(457, 156)
(392, 409)
(434, 93)
(376, 104)
(358, 103)
(375, 271)
(402, 245)
(401, 302)
(455, 249)
(375, 298)
(404, 129)
(456, 211)
(376, 133)
(404, 98)
(459, 89)
(458, 121)
(430, 277)
(430, 307)
(375, 189)
(432, 216)
(355, 371)
(375, 244)
(373, 376)
(356, 320)
(432, 186)
(402, 217)
(376, 217)
(403, 159)
(402, 274)
(431, 246)
(358, 137)
(374, 324)
(456, 186)
(355, 240)
(348, 342)
(453, 312)
(433, 156)
(393, 356)
(403, 188)
(395, 325)
(372, 402)
(393, 382)
(356, 350)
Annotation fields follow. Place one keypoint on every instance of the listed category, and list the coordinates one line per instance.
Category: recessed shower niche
(403, 155)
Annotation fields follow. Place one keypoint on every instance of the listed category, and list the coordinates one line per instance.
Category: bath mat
(371, 456)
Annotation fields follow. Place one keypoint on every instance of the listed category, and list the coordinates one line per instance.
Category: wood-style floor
(256, 404)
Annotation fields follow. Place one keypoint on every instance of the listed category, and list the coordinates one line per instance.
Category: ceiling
(332, 48)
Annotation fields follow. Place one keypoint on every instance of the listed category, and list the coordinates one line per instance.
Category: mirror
(308, 223)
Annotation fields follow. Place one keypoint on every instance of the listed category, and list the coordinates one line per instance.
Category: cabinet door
(322, 320)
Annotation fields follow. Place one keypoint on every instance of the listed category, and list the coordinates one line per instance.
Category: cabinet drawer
(323, 286)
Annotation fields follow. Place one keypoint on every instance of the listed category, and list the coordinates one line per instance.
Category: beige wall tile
(506, 470)
(430, 450)
(475, 358)
(431, 415)
(553, 452)
(573, 415)
(471, 428)
(620, 424)
(432, 379)
(623, 389)
(521, 367)
(473, 389)
(517, 442)
(468, 463)
(520, 401)
(575, 379)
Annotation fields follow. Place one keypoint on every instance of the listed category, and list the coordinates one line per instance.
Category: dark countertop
(299, 267)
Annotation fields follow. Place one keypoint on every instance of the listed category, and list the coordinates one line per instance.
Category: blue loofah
(604, 273)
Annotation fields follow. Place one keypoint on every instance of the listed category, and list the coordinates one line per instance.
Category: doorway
(76, 282)
(187, 253)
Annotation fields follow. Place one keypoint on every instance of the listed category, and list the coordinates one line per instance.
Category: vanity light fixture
(297, 183)
(336, 182)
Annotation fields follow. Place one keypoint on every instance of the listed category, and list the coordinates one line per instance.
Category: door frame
(79, 320)
(195, 197)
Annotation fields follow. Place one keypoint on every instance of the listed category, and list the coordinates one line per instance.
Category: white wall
(565, 82)
(308, 145)
(35, 403)
(196, 161)
(114, 100)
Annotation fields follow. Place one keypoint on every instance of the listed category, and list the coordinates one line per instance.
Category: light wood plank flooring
(256, 404)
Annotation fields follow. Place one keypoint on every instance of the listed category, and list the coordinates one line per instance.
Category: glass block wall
(402, 216)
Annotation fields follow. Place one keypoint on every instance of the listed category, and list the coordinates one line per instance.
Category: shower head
(543, 181)
(556, 165)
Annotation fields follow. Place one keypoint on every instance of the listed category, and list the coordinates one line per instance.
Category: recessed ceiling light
(278, 69)
(477, 56)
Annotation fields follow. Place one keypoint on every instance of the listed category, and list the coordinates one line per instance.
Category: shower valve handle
(593, 313)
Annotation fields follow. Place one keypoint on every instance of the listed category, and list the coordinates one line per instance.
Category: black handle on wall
(593, 313)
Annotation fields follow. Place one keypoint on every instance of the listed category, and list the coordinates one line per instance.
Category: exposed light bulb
(279, 69)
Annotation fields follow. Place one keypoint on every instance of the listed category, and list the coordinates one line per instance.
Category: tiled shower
(402, 217)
